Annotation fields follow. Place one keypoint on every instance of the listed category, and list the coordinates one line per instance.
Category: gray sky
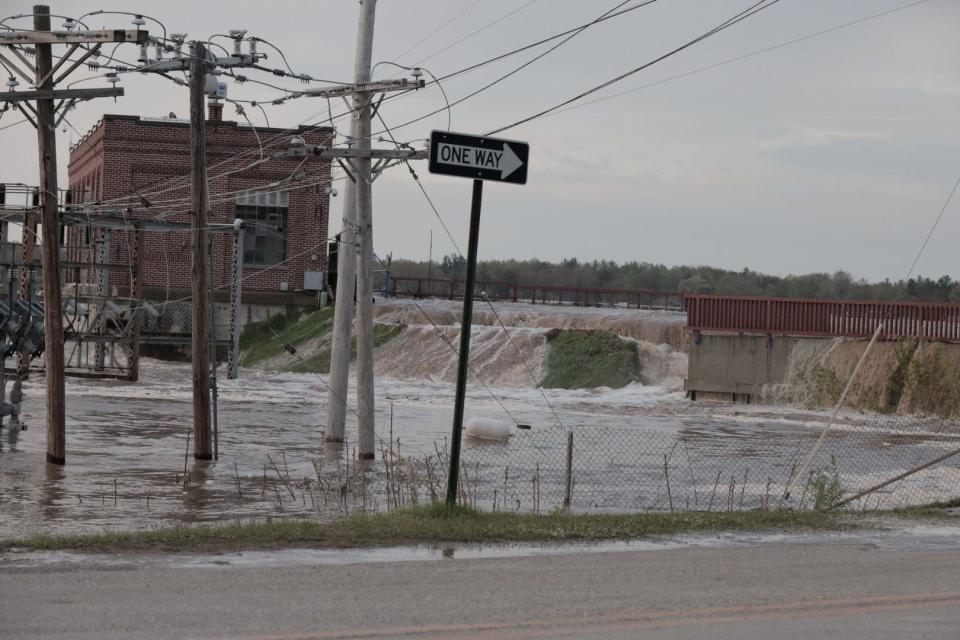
(833, 153)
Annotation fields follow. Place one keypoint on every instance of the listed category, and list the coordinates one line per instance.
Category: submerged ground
(642, 447)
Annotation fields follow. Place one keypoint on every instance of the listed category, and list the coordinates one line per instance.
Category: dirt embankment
(909, 376)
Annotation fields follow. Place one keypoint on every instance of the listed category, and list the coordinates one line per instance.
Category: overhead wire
(475, 66)
(437, 30)
(476, 32)
(435, 82)
(270, 141)
(289, 68)
(443, 338)
(744, 56)
(729, 22)
(568, 37)
(418, 181)
(483, 293)
(125, 13)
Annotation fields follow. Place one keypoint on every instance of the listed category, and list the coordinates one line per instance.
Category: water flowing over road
(126, 443)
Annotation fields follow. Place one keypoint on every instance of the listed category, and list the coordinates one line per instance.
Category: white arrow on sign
(505, 161)
(509, 163)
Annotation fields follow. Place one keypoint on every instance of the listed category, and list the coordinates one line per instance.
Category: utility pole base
(52, 459)
(203, 456)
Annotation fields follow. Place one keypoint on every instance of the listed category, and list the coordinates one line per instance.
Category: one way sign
(466, 156)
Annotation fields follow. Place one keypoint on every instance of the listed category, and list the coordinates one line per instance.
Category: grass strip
(319, 360)
(430, 525)
(262, 340)
(932, 510)
(579, 359)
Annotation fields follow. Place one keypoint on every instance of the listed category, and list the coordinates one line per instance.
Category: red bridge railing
(539, 294)
(808, 317)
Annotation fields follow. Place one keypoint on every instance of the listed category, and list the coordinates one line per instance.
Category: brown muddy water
(126, 447)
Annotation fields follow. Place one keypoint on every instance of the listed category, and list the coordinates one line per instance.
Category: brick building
(135, 167)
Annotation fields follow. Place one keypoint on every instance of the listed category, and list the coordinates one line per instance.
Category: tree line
(607, 274)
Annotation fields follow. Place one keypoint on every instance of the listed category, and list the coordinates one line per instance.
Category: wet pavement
(870, 586)
(889, 534)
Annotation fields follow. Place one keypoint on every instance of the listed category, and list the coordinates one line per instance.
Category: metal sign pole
(462, 363)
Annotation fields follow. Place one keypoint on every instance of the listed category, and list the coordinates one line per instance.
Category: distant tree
(453, 265)
(571, 272)
(695, 284)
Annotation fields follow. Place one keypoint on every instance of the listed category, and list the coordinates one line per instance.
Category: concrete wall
(735, 366)
(175, 317)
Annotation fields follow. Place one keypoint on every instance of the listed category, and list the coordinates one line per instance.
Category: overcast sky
(836, 152)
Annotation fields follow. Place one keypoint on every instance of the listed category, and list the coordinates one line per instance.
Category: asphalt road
(843, 590)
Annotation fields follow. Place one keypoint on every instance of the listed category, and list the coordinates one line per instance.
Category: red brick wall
(126, 157)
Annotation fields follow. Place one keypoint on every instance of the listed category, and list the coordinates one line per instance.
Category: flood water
(636, 448)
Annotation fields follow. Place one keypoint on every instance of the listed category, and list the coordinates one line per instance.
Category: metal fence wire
(639, 467)
(633, 469)
(168, 318)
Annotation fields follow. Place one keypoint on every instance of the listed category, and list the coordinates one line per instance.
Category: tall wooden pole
(200, 348)
(52, 307)
(366, 438)
(346, 253)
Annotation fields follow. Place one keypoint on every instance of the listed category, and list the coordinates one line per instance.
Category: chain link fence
(623, 469)
(169, 318)
(596, 469)
(615, 469)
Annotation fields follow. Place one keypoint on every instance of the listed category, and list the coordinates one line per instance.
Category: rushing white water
(498, 358)
(507, 348)
(654, 327)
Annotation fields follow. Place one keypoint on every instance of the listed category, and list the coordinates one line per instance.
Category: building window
(265, 216)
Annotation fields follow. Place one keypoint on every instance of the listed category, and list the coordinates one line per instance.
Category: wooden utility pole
(52, 308)
(342, 317)
(200, 348)
(366, 438)
(50, 102)
(347, 259)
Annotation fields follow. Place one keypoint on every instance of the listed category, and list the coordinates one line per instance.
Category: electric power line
(743, 15)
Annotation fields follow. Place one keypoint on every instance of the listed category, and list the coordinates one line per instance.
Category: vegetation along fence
(732, 463)
(862, 465)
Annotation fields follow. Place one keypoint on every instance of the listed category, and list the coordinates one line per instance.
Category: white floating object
(488, 429)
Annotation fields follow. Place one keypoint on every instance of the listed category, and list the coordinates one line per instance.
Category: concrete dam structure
(751, 348)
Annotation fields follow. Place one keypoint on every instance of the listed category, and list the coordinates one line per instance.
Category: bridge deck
(828, 318)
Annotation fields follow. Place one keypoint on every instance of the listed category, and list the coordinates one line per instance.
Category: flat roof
(153, 120)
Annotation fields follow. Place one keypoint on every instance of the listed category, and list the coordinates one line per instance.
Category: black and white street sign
(466, 156)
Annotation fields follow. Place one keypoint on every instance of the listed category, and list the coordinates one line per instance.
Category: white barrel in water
(488, 429)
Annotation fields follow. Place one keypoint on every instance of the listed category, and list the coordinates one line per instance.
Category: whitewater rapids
(512, 354)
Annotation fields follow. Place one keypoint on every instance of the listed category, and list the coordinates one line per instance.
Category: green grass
(319, 360)
(263, 340)
(434, 524)
(932, 510)
(587, 359)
